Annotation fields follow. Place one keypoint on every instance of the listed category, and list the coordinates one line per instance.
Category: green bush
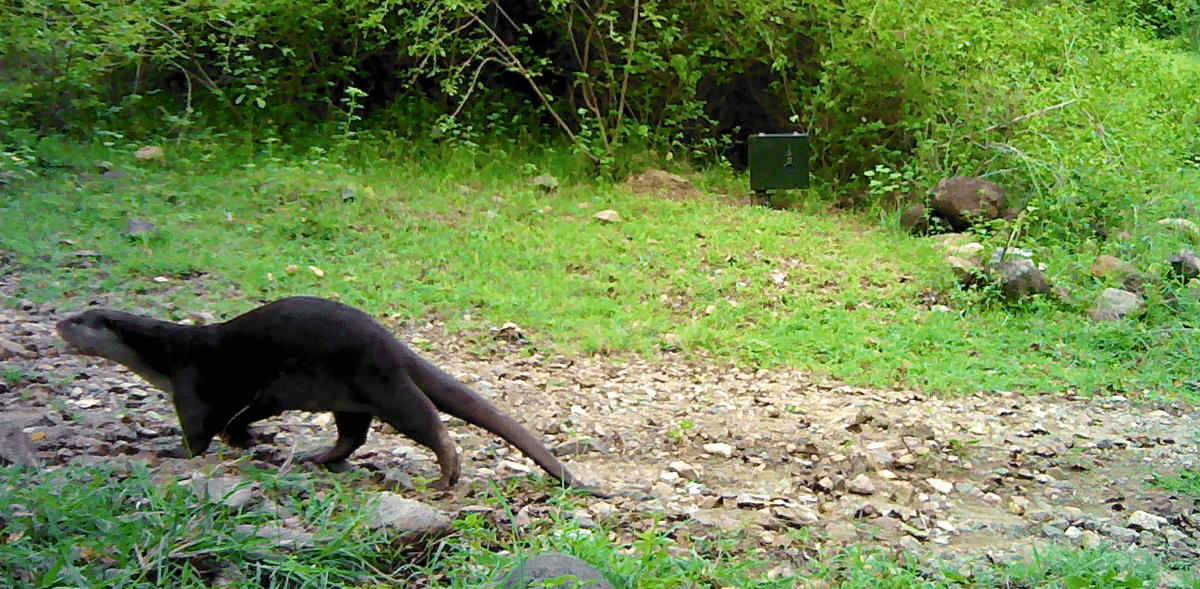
(1078, 107)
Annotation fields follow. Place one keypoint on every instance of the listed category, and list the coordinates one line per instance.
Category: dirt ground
(711, 448)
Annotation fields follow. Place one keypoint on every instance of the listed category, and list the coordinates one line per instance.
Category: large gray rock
(964, 201)
(232, 492)
(409, 519)
(1115, 304)
(554, 565)
(15, 447)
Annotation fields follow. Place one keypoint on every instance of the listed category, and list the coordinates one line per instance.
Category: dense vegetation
(1084, 107)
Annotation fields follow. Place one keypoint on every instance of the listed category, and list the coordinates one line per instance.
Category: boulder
(964, 201)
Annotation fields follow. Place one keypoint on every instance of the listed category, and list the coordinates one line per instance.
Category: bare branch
(515, 63)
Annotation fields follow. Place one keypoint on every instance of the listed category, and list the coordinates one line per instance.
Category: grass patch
(119, 524)
(106, 526)
(461, 236)
(1184, 482)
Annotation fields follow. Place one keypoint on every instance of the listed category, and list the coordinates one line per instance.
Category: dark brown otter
(301, 353)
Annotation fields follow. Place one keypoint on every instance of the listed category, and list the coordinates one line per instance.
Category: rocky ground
(713, 448)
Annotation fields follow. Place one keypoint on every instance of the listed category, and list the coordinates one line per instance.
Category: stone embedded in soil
(1141, 520)
(232, 492)
(685, 470)
(841, 532)
(408, 516)
(943, 487)
(281, 536)
(861, 485)
(552, 566)
(719, 449)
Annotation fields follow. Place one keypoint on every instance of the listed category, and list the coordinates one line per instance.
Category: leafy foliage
(1067, 99)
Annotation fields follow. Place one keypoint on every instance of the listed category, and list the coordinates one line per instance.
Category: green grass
(121, 525)
(1184, 482)
(420, 232)
(117, 526)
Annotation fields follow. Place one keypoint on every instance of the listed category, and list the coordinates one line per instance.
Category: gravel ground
(713, 448)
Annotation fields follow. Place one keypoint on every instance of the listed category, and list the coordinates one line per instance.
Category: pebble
(719, 449)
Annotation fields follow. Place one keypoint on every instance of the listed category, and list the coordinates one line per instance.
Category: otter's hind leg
(418, 419)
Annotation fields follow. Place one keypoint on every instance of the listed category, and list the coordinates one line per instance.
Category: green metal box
(778, 162)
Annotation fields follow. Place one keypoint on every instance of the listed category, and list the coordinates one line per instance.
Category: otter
(304, 353)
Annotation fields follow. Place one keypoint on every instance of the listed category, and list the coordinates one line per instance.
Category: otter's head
(105, 333)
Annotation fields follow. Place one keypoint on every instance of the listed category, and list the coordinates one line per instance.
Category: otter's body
(301, 353)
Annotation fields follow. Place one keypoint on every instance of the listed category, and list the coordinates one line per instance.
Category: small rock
(1072, 514)
(861, 485)
(149, 152)
(136, 227)
(1185, 265)
(1180, 225)
(825, 484)
(965, 271)
(1143, 521)
(1115, 304)
(963, 201)
(915, 219)
(280, 536)
(1106, 266)
(608, 216)
(10, 349)
(943, 487)
(684, 469)
(719, 449)
(841, 532)
(552, 566)
(1018, 505)
(232, 492)
(752, 501)
(408, 516)
(16, 447)
(798, 514)
(1018, 279)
